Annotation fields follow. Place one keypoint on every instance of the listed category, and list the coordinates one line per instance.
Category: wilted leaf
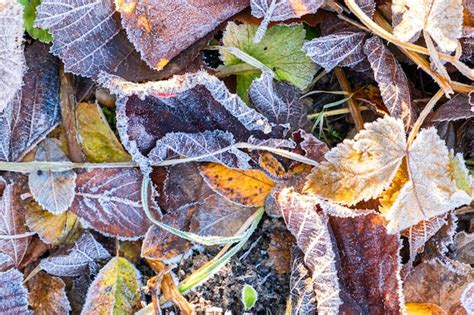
(115, 289)
(29, 15)
(438, 282)
(456, 108)
(279, 102)
(391, 79)
(54, 191)
(87, 36)
(442, 19)
(51, 228)
(12, 222)
(465, 247)
(109, 200)
(34, 112)
(302, 299)
(47, 295)
(280, 50)
(98, 141)
(244, 187)
(311, 146)
(13, 295)
(338, 49)
(160, 30)
(79, 260)
(11, 51)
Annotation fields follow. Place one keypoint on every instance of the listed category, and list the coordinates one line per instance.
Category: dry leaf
(465, 247)
(457, 108)
(115, 289)
(13, 295)
(467, 298)
(244, 187)
(424, 309)
(160, 30)
(47, 295)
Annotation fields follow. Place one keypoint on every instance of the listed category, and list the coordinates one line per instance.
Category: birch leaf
(79, 260)
(115, 289)
(391, 79)
(442, 19)
(109, 200)
(48, 295)
(13, 295)
(12, 66)
(160, 30)
(54, 191)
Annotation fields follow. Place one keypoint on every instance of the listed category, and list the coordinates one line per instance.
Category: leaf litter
(286, 146)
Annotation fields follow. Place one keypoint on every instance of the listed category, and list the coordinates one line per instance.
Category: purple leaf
(13, 295)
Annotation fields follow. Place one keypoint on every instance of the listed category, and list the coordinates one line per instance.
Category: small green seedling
(249, 297)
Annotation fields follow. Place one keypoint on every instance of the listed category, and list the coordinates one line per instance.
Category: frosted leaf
(391, 79)
(48, 295)
(431, 190)
(13, 295)
(34, 111)
(467, 298)
(12, 65)
(457, 108)
(280, 10)
(109, 200)
(80, 259)
(5, 261)
(442, 19)
(368, 6)
(360, 169)
(278, 102)
(116, 289)
(314, 239)
(12, 222)
(312, 147)
(88, 37)
(339, 49)
(160, 30)
(302, 298)
(464, 251)
(198, 144)
(54, 191)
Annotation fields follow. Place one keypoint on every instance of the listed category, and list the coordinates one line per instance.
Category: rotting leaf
(54, 191)
(47, 295)
(79, 260)
(12, 66)
(98, 141)
(115, 289)
(13, 295)
(244, 187)
(29, 15)
(391, 79)
(160, 30)
(109, 200)
(20, 129)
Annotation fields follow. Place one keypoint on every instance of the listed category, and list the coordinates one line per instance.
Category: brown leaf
(13, 295)
(160, 30)
(456, 108)
(47, 295)
(309, 146)
(465, 247)
(279, 250)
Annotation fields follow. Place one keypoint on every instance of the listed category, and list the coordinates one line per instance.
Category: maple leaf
(54, 191)
(160, 30)
(116, 288)
(442, 19)
(13, 295)
(12, 66)
(48, 295)
(88, 37)
(81, 258)
(20, 129)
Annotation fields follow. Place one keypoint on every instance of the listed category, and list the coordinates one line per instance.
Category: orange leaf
(424, 309)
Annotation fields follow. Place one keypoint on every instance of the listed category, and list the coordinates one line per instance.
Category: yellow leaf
(271, 164)
(98, 141)
(245, 187)
(424, 309)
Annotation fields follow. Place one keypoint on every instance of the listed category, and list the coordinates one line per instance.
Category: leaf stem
(16, 236)
(353, 108)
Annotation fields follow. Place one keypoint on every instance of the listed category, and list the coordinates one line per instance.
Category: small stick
(353, 108)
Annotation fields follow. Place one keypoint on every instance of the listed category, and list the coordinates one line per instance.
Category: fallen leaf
(467, 298)
(98, 141)
(47, 295)
(391, 79)
(39, 95)
(424, 309)
(160, 30)
(54, 191)
(29, 16)
(279, 251)
(465, 247)
(109, 200)
(13, 295)
(456, 108)
(244, 187)
(115, 289)
(280, 50)
(79, 260)
(309, 146)
(11, 51)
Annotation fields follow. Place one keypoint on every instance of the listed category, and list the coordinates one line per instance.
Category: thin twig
(336, 112)
(16, 236)
(353, 108)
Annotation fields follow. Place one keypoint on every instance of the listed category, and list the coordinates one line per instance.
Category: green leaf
(280, 50)
(115, 290)
(249, 297)
(29, 16)
(98, 141)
